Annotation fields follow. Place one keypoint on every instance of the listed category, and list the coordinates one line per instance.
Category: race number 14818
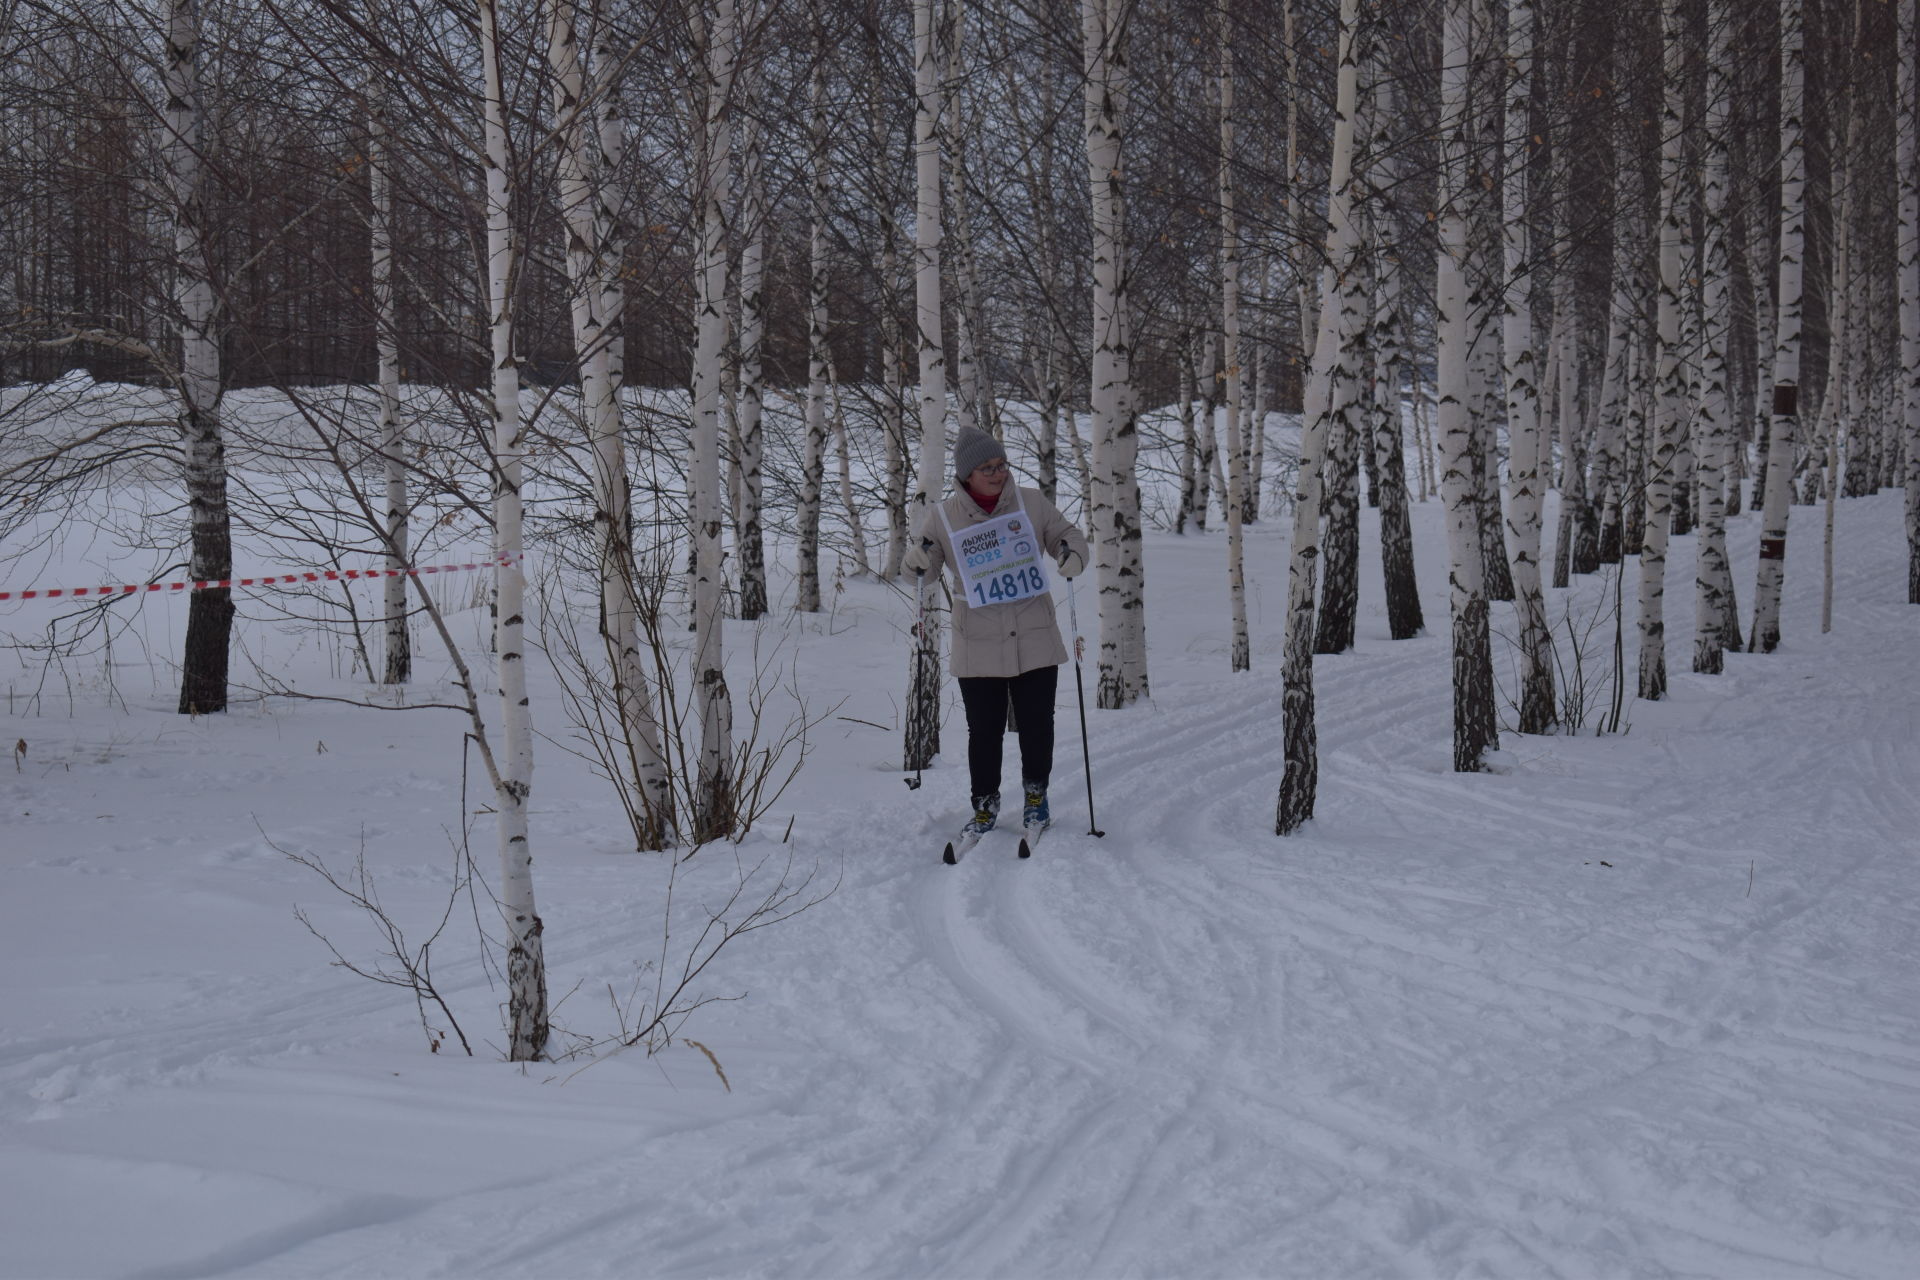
(1010, 586)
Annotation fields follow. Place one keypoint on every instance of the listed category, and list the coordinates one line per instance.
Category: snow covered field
(1643, 1005)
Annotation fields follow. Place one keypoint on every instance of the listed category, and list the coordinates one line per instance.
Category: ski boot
(1035, 816)
(985, 810)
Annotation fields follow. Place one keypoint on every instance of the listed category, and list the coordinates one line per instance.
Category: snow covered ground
(1642, 1005)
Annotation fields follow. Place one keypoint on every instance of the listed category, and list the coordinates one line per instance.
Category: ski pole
(919, 657)
(1080, 687)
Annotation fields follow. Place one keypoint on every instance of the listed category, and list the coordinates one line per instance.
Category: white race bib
(999, 560)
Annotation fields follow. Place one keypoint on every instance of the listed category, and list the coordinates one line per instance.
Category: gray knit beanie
(973, 447)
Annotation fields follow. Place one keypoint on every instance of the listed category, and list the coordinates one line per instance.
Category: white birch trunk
(1475, 727)
(591, 143)
(398, 664)
(1713, 578)
(1671, 386)
(1572, 478)
(973, 404)
(856, 524)
(1763, 270)
(1348, 293)
(813, 451)
(1189, 431)
(930, 83)
(1405, 619)
(1842, 395)
(1300, 781)
(1786, 353)
(1240, 645)
(923, 693)
(1527, 443)
(750, 451)
(1306, 295)
(893, 430)
(1261, 402)
(1206, 374)
(1642, 408)
(930, 345)
(713, 816)
(203, 668)
(1056, 342)
(1613, 444)
(1115, 503)
(526, 963)
(893, 399)
(1864, 425)
(1422, 433)
(1485, 292)
(1907, 161)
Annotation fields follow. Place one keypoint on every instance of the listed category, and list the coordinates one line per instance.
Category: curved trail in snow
(1523, 1023)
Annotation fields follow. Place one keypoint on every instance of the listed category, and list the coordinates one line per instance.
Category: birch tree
(1206, 457)
(813, 450)
(1261, 399)
(1242, 647)
(1351, 371)
(526, 963)
(1475, 726)
(1574, 506)
(1115, 505)
(884, 196)
(1485, 293)
(1388, 341)
(1300, 781)
(1671, 405)
(1299, 215)
(750, 445)
(1763, 271)
(1843, 319)
(203, 667)
(592, 139)
(1184, 361)
(856, 529)
(1907, 161)
(1713, 578)
(929, 83)
(397, 667)
(717, 29)
(1527, 445)
(1611, 474)
(1405, 618)
(973, 403)
(1340, 498)
(1786, 355)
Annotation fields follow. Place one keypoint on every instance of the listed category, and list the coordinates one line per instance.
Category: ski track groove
(1350, 935)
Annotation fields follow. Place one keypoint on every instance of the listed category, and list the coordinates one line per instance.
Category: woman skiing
(999, 538)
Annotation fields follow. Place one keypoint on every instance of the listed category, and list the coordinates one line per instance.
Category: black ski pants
(1031, 695)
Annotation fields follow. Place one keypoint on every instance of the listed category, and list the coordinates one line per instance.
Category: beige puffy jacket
(1004, 639)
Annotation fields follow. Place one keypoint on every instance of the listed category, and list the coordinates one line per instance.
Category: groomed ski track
(1436, 1034)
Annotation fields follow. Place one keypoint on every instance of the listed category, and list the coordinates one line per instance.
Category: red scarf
(987, 504)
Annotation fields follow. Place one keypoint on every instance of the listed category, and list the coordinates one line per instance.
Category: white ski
(958, 846)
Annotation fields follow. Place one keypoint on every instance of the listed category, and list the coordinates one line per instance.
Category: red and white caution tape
(274, 579)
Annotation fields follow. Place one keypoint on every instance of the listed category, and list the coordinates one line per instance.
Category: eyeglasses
(992, 468)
